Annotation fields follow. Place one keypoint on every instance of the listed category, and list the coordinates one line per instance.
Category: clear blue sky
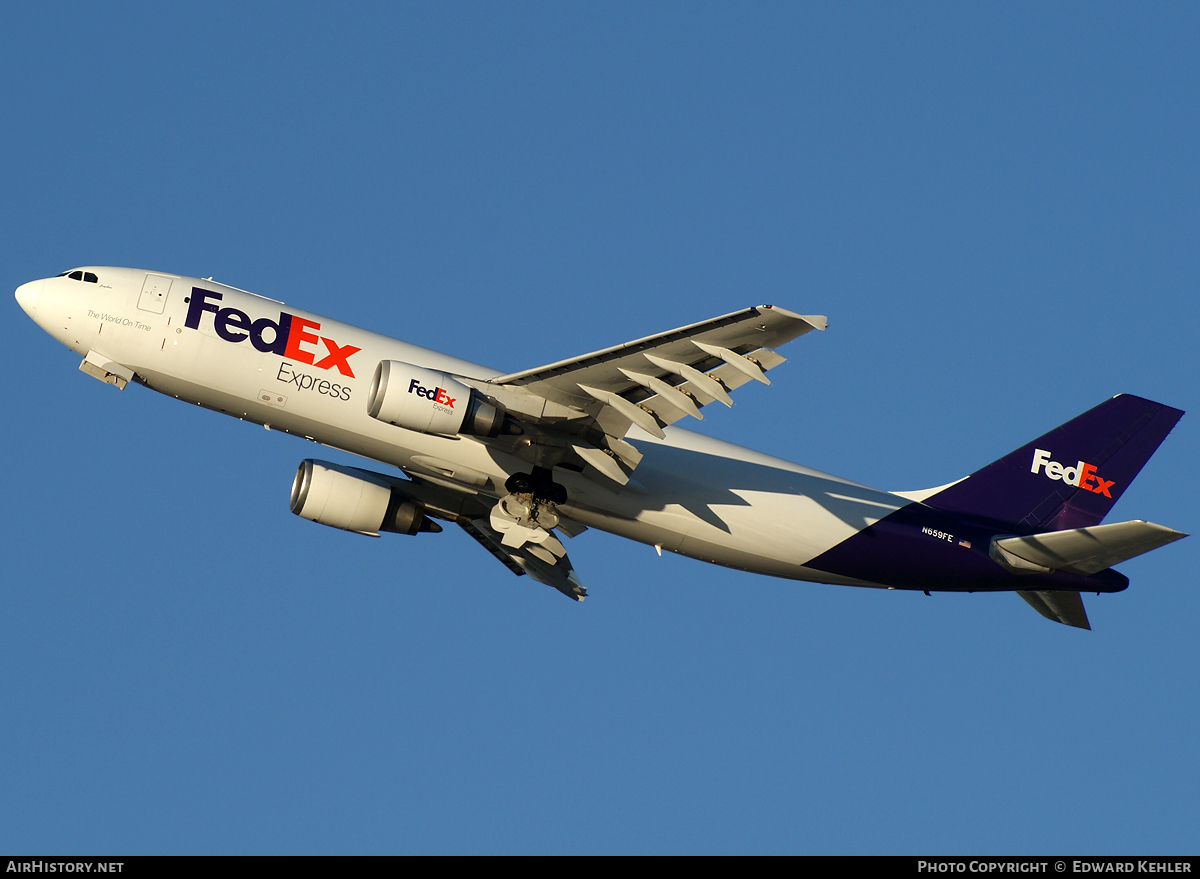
(995, 204)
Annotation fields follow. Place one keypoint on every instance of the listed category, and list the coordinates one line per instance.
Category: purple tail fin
(1071, 476)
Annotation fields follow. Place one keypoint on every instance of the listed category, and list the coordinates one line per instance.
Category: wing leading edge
(654, 381)
(728, 343)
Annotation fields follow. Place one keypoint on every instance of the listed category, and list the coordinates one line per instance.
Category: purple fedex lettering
(200, 305)
(279, 331)
(227, 322)
(438, 395)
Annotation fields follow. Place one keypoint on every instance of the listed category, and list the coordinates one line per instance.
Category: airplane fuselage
(267, 362)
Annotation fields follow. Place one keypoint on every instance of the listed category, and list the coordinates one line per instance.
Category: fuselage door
(154, 294)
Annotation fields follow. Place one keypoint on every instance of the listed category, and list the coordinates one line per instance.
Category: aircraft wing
(656, 381)
(556, 571)
(585, 405)
(541, 555)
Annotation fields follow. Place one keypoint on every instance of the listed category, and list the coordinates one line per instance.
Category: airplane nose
(28, 296)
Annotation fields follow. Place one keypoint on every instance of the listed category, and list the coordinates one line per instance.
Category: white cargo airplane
(591, 442)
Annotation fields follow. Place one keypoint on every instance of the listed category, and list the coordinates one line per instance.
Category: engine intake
(429, 401)
(355, 500)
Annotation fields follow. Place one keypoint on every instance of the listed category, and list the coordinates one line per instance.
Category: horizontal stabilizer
(1081, 550)
(1062, 607)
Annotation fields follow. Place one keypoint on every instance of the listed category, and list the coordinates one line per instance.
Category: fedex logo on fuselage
(286, 336)
(1081, 475)
(438, 395)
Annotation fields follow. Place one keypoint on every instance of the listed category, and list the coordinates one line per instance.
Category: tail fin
(1069, 477)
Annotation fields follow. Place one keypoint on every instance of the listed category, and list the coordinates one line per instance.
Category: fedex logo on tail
(1081, 475)
(285, 337)
(438, 395)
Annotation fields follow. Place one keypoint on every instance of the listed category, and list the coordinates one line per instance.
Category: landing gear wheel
(540, 483)
(519, 483)
(545, 488)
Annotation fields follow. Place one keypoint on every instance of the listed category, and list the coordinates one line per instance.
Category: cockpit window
(80, 275)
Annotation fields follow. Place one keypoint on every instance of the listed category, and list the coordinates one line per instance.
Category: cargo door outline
(154, 294)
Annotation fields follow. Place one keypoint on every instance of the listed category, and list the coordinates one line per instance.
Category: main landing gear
(539, 484)
(526, 515)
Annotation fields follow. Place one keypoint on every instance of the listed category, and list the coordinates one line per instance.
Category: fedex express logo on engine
(285, 337)
(438, 395)
(1081, 475)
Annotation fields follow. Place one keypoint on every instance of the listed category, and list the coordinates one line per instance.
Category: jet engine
(355, 500)
(430, 401)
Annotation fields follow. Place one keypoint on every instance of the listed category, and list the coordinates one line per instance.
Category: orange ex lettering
(296, 336)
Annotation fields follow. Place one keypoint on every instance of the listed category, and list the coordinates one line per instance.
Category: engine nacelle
(430, 401)
(355, 500)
